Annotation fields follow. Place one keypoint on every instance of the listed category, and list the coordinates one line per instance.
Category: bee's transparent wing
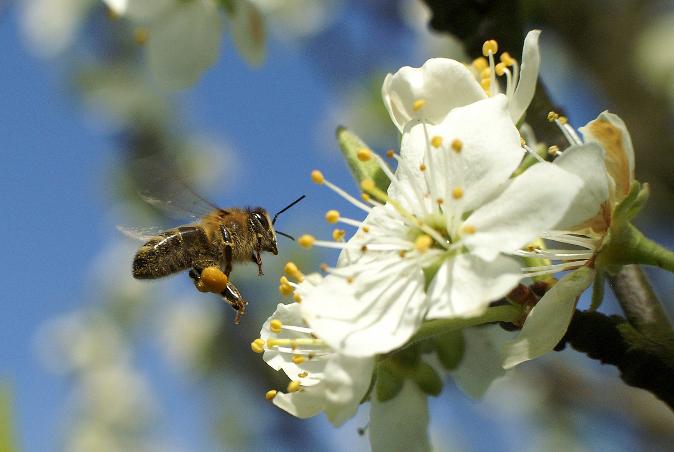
(143, 233)
(163, 186)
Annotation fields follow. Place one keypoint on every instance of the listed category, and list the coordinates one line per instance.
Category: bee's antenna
(284, 209)
(286, 235)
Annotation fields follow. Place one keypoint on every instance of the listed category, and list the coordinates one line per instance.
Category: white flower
(439, 245)
(441, 84)
(604, 187)
(321, 380)
(51, 26)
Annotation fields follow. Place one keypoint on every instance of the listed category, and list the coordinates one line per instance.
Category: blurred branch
(644, 362)
(7, 440)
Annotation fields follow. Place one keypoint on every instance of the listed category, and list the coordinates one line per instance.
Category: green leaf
(7, 441)
(350, 144)
(629, 207)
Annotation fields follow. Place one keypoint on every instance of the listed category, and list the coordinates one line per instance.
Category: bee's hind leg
(232, 296)
(257, 258)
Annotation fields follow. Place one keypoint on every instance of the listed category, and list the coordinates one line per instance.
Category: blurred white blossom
(51, 26)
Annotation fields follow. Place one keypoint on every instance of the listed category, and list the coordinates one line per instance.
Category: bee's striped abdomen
(170, 252)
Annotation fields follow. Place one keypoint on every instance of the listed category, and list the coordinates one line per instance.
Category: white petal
(118, 6)
(401, 423)
(442, 83)
(302, 404)
(548, 320)
(51, 26)
(465, 285)
(610, 131)
(587, 162)
(346, 381)
(526, 87)
(248, 31)
(533, 203)
(376, 313)
(184, 42)
(481, 362)
(491, 151)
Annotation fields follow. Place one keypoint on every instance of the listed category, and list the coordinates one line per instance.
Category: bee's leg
(232, 296)
(257, 258)
(227, 238)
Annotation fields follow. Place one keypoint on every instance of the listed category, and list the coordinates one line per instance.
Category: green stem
(505, 313)
(646, 251)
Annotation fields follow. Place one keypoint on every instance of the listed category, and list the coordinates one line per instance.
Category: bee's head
(264, 229)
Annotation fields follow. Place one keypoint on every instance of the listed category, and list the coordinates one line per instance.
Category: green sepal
(427, 379)
(389, 381)
(350, 144)
(597, 290)
(449, 348)
(630, 206)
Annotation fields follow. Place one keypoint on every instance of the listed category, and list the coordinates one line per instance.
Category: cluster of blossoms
(470, 211)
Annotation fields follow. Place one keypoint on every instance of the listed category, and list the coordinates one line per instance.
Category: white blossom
(439, 246)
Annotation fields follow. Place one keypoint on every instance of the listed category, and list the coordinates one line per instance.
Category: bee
(217, 238)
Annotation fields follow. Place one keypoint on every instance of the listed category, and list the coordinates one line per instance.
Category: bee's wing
(143, 233)
(161, 184)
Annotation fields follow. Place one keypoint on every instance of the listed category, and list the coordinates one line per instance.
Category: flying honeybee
(216, 238)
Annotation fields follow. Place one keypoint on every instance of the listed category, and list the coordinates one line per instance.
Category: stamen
(291, 270)
(554, 150)
(552, 116)
(306, 241)
(297, 298)
(298, 359)
(390, 153)
(332, 216)
(140, 35)
(304, 374)
(269, 395)
(423, 243)
(507, 59)
(457, 145)
(418, 105)
(468, 229)
(275, 326)
(489, 47)
(422, 167)
(436, 141)
(364, 154)
(500, 69)
(285, 289)
(533, 153)
(257, 345)
(457, 193)
(480, 64)
(338, 235)
(318, 178)
(295, 343)
(294, 386)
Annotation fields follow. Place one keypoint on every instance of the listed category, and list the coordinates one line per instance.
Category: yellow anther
(440, 201)
(457, 192)
(367, 185)
(402, 253)
(317, 177)
(490, 46)
(366, 229)
(507, 59)
(285, 289)
(349, 279)
(213, 279)
(418, 104)
(294, 386)
(365, 197)
(283, 280)
(269, 395)
(390, 153)
(485, 83)
(140, 35)
(553, 150)
(257, 345)
(469, 229)
(480, 63)
(423, 243)
(324, 267)
(291, 270)
(275, 326)
(306, 241)
(338, 235)
(332, 216)
(563, 120)
(522, 141)
(298, 359)
(486, 73)
(457, 145)
(436, 141)
(363, 249)
(552, 116)
(297, 298)
(500, 69)
(304, 374)
(422, 167)
(364, 154)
